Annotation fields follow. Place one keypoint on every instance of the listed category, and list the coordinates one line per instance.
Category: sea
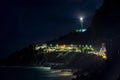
(33, 73)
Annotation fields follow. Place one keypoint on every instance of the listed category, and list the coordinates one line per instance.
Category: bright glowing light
(37, 47)
(80, 30)
(73, 48)
(56, 45)
(81, 18)
(104, 56)
(83, 30)
(62, 46)
(43, 68)
(65, 74)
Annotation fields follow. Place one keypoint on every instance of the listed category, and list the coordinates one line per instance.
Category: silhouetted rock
(25, 57)
(118, 78)
(106, 22)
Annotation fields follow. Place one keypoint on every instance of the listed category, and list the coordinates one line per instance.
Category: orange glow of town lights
(62, 46)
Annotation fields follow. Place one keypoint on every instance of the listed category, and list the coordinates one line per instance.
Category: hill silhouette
(106, 21)
(105, 26)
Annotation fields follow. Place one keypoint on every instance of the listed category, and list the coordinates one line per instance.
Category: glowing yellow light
(104, 56)
(65, 74)
(37, 47)
(62, 46)
(77, 30)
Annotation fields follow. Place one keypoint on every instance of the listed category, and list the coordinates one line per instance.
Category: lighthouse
(82, 29)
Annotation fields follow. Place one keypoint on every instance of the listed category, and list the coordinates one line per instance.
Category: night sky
(25, 22)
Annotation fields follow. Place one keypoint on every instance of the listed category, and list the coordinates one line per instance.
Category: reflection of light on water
(55, 71)
(60, 73)
(65, 74)
(46, 68)
(43, 68)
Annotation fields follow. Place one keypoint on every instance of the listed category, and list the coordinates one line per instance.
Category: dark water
(32, 73)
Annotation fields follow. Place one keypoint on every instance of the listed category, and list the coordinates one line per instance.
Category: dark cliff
(106, 22)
